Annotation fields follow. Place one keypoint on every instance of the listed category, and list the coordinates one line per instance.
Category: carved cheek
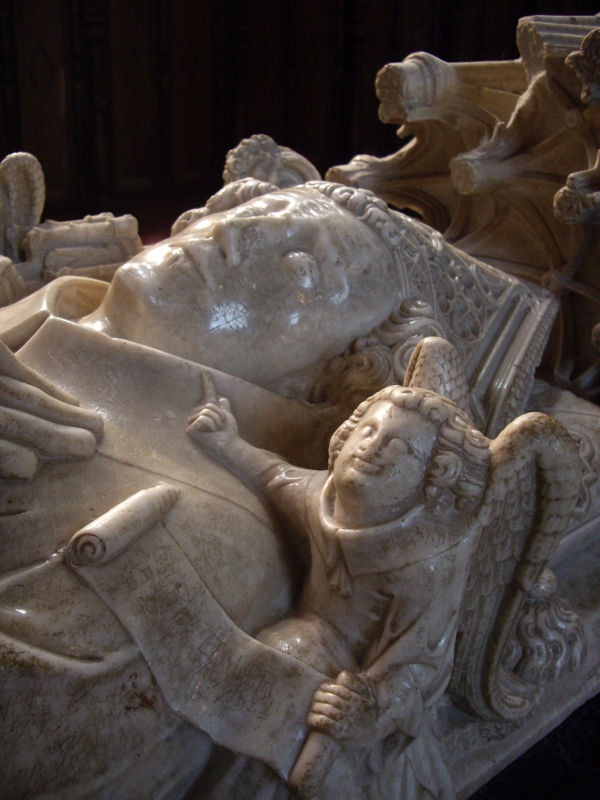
(409, 471)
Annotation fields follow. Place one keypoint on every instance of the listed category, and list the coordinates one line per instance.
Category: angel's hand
(39, 420)
(347, 711)
(212, 424)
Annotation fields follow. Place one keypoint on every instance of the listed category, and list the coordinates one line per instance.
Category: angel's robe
(389, 596)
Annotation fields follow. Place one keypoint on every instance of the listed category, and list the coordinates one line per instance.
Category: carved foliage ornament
(492, 144)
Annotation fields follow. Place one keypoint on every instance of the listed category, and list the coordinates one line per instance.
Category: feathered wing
(533, 486)
(436, 365)
(22, 184)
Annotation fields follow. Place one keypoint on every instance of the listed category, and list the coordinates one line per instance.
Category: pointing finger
(209, 393)
(211, 418)
(203, 424)
(200, 409)
(214, 415)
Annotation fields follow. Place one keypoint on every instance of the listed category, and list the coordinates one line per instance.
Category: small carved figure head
(409, 445)
(586, 63)
(261, 158)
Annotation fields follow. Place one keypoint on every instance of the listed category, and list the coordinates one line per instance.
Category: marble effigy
(284, 509)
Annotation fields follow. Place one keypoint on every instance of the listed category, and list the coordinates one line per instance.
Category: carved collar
(410, 538)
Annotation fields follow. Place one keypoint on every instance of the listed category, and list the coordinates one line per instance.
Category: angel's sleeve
(284, 487)
(289, 490)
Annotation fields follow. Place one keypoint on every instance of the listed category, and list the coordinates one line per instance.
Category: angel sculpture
(418, 517)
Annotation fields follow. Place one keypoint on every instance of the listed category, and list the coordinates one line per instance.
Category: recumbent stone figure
(296, 294)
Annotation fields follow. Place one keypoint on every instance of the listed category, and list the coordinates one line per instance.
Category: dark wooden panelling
(164, 90)
(417, 24)
(10, 116)
(43, 89)
(230, 21)
(133, 104)
(93, 134)
(135, 92)
(264, 69)
(193, 126)
(310, 87)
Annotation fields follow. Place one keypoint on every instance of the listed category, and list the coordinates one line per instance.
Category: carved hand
(39, 420)
(212, 424)
(347, 711)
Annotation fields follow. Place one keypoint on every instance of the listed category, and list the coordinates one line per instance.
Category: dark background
(131, 106)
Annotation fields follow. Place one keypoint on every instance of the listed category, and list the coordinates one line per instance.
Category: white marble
(210, 535)
(281, 506)
(399, 530)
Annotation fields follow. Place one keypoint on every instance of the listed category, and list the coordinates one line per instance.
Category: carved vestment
(59, 643)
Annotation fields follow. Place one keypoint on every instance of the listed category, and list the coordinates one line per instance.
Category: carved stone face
(265, 291)
(382, 464)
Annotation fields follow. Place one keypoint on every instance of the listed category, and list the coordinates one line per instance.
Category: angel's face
(383, 462)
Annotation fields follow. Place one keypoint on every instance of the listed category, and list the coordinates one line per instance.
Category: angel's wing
(534, 482)
(22, 197)
(436, 365)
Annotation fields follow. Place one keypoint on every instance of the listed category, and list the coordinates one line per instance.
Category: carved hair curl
(366, 207)
(377, 360)
(456, 435)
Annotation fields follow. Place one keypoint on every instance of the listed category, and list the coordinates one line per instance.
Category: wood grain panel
(133, 104)
(192, 87)
(310, 37)
(42, 78)
(135, 122)
(10, 106)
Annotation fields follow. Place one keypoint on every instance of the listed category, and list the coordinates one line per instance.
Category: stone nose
(227, 234)
(372, 443)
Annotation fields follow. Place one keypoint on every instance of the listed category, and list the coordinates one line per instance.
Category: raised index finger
(209, 393)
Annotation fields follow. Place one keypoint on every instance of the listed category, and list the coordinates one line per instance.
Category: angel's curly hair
(456, 434)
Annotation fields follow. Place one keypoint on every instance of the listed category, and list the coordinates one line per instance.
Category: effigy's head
(407, 445)
(269, 289)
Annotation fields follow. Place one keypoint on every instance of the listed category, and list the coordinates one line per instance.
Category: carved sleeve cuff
(400, 703)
